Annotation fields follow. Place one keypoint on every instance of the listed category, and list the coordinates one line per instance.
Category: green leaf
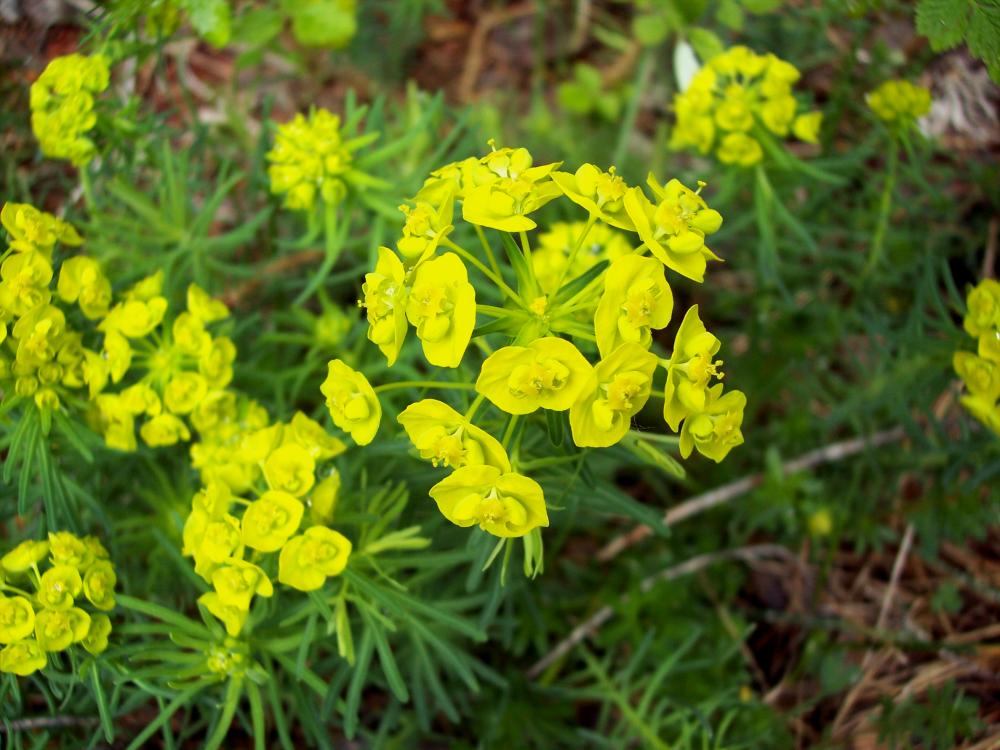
(650, 29)
(730, 14)
(943, 22)
(706, 43)
(574, 97)
(211, 19)
(324, 23)
(984, 37)
(762, 6)
(258, 27)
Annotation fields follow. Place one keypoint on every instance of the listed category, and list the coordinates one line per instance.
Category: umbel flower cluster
(576, 333)
(44, 358)
(263, 514)
(738, 101)
(46, 609)
(980, 372)
(311, 159)
(62, 106)
(899, 103)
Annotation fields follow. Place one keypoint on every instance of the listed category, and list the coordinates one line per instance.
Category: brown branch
(474, 57)
(593, 623)
(727, 492)
(990, 258)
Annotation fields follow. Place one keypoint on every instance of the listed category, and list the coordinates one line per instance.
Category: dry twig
(727, 492)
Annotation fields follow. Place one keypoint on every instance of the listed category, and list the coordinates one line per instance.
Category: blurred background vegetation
(842, 588)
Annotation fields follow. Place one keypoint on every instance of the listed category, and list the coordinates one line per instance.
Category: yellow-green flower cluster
(899, 103)
(46, 609)
(44, 358)
(185, 369)
(62, 106)
(737, 99)
(981, 371)
(544, 367)
(266, 519)
(311, 159)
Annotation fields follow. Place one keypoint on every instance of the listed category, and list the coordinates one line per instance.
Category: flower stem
(496, 279)
(488, 249)
(885, 209)
(423, 384)
(575, 251)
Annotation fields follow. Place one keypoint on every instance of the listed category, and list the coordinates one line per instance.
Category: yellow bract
(601, 193)
(549, 373)
(617, 391)
(980, 372)
(690, 369)
(441, 306)
(352, 402)
(307, 560)
(62, 106)
(445, 438)
(900, 103)
(506, 188)
(503, 504)
(271, 520)
(674, 228)
(715, 430)
(385, 294)
(636, 300)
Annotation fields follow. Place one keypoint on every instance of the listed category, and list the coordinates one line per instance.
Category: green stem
(575, 251)
(643, 72)
(501, 284)
(885, 209)
(496, 312)
(423, 384)
(88, 188)
(475, 407)
(488, 249)
(509, 432)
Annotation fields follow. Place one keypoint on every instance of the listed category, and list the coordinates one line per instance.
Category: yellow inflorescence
(425, 286)
(737, 99)
(900, 103)
(269, 494)
(53, 595)
(311, 159)
(62, 106)
(980, 372)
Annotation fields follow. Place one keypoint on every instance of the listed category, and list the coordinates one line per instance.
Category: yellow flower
(716, 430)
(62, 106)
(352, 402)
(981, 376)
(57, 630)
(617, 391)
(190, 335)
(135, 318)
(117, 354)
(205, 309)
(508, 190)
(385, 294)
(307, 560)
(636, 299)
(24, 282)
(17, 618)
(99, 585)
(601, 193)
(59, 586)
(39, 334)
(899, 103)
(31, 229)
(778, 114)
(503, 504)
(233, 618)
(549, 373)
(141, 399)
(446, 438)
(238, 581)
(323, 500)
(690, 369)
(441, 306)
(271, 520)
(23, 556)
(984, 410)
(164, 429)
(81, 279)
(983, 309)
(184, 391)
(741, 149)
(216, 363)
(674, 228)
(310, 435)
(426, 225)
(23, 658)
(96, 640)
(146, 289)
(806, 126)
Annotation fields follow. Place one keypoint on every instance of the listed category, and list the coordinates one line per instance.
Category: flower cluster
(586, 294)
(184, 369)
(265, 516)
(49, 361)
(62, 106)
(311, 158)
(981, 371)
(736, 101)
(52, 617)
(900, 103)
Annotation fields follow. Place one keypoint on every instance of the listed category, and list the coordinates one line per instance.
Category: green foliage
(947, 23)
(942, 719)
